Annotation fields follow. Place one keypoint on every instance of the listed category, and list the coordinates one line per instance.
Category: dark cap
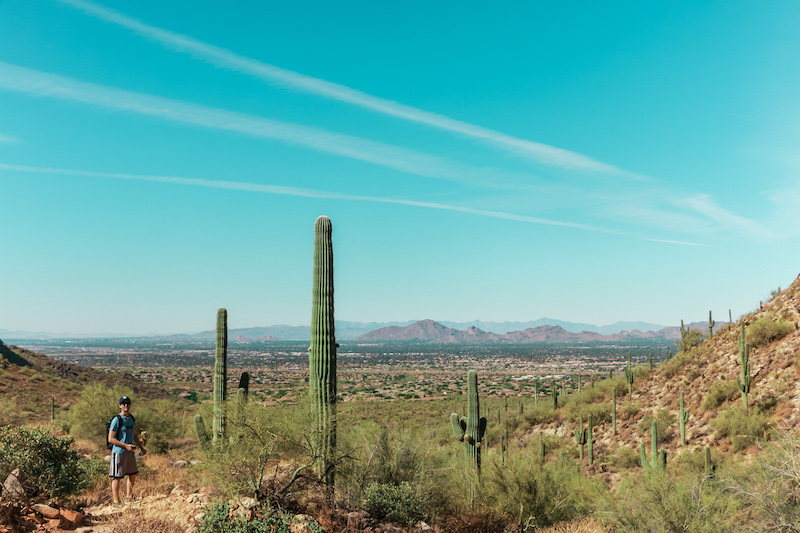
(124, 399)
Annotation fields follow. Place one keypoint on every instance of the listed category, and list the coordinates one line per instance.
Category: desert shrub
(395, 503)
(766, 330)
(216, 519)
(159, 422)
(600, 412)
(539, 413)
(743, 429)
(625, 457)
(695, 461)
(692, 338)
(664, 424)
(536, 495)
(659, 500)
(46, 463)
(96, 405)
(628, 409)
(768, 488)
(719, 393)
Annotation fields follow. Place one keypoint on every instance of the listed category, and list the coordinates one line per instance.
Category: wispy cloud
(329, 195)
(8, 139)
(28, 81)
(706, 206)
(223, 58)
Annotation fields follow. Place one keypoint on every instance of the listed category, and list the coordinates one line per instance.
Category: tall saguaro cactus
(743, 381)
(581, 436)
(471, 428)
(614, 409)
(656, 459)
(220, 376)
(322, 351)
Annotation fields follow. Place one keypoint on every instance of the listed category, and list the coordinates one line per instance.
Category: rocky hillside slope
(708, 370)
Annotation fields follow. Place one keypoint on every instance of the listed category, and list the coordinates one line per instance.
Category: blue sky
(582, 161)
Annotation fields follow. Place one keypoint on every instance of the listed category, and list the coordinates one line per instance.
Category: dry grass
(584, 525)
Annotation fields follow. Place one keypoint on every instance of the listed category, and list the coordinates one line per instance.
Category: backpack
(121, 425)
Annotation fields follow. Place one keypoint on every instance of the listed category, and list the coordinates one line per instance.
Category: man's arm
(112, 438)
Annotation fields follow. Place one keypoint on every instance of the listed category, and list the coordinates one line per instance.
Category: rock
(248, 503)
(12, 485)
(422, 526)
(301, 524)
(195, 462)
(73, 518)
(179, 464)
(177, 491)
(391, 528)
(54, 523)
(355, 519)
(197, 498)
(46, 510)
(107, 458)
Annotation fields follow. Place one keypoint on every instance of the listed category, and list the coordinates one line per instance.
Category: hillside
(706, 371)
(31, 380)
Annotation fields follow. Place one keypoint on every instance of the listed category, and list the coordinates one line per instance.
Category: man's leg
(115, 490)
(131, 481)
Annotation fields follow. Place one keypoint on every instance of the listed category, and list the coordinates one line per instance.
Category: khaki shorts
(122, 464)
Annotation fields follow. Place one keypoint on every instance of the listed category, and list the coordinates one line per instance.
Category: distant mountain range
(431, 331)
(542, 330)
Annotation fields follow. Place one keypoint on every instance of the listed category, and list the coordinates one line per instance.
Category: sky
(584, 161)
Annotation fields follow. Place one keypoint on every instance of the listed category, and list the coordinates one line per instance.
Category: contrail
(223, 58)
(313, 193)
(34, 82)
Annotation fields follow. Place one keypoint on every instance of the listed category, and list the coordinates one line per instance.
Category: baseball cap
(124, 399)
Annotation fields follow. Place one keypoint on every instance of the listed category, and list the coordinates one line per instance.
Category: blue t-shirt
(124, 431)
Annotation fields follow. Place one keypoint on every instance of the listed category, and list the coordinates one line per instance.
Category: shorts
(122, 464)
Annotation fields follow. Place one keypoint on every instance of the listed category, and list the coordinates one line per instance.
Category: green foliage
(664, 424)
(537, 495)
(743, 429)
(625, 457)
(659, 500)
(692, 338)
(216, 519)
(160, 420)
(396, 503)
(95, 407)
(767, 329)
(719, 393)
(45, 461)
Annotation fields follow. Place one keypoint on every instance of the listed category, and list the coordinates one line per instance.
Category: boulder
(12, 484)
(46, 510)
(179, 464)
(72, 518)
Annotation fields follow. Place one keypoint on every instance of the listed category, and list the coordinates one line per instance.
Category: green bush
(692, 338)
(625, 457)
(719, 393)
(395, 503)
(45, 461)
(664, 424)
(536, 495)
(743, 429)
(216, 519)
(766, 330)
(659, 500)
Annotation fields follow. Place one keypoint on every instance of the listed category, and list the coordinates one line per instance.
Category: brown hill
(426, 330)
(30, 380)
(706, 371)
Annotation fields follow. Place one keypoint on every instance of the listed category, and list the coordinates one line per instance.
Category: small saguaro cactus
(614, 409)
(656, 459)
(710, 325)
(683, 417)
(743, 381)
(683, 330)
(710, 468)
(542, 447)
(580, 437)
(580, 383)
(590, 440)
(630, 375)
(470, 429)
(322, 351)
(650, 362)
(555, 396)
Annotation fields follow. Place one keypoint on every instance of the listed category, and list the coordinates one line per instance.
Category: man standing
(122, 434)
